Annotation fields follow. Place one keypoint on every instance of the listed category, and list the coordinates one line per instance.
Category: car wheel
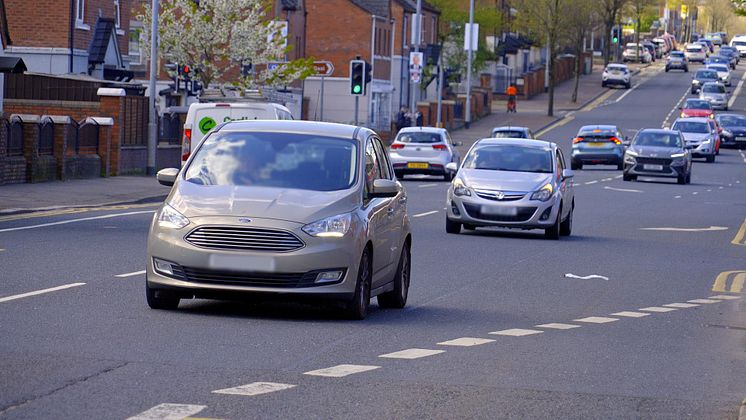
(566, 226)
(397, 298)
(628, 85)
(399, 175)
(160, 299)
(726, 108)
(627, 177)
(689, 177)
(620, 166)
(448, 176)
(686, 69)
(576, 166)
(357, 308)
(681, 179)
(469, 227)
(694, 92)
(711, 158)
(603, 84)
(554, 231)
(666, 69)
(452, 227)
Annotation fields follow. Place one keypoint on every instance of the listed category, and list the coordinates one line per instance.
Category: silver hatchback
(282, 208)
(424, 151)
(513, 183)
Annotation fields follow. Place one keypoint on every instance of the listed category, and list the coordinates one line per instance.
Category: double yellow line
(738, 278)
(738, 239)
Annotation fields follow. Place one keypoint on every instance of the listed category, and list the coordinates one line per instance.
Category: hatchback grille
(523, 214)
(285, 280)
(654, 161)
(493, 195)
(244, 238)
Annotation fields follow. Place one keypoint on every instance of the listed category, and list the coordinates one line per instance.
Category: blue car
(598, 145)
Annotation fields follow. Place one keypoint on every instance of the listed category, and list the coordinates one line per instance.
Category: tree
(217, 36)
(584, 14)
(637, 10)
(609, 12)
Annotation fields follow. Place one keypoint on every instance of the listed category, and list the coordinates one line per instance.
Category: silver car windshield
(500, 157)
(419, 137)
(658, 140)
(279, 160)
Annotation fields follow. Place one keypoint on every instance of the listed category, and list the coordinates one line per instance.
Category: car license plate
(648, 167)
(499, 211)
(417, 165)
(740, 138)
(596, 144)
(241, 263)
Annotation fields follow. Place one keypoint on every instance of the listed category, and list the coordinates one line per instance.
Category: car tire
(688, 177)
(626, 177)
(628, 85)
(726, 108)
(566, 225)
(448, 177)
(666, 69)
(357, 308)
(576, 166)
(160, 299)
(620, 166)
(398, 175)
(397, 298)
(554, 231)
(603, 84)
(452, 227)
(694, 92)
(681, 179)
(710, 158)
(469, 227)
(686, 69)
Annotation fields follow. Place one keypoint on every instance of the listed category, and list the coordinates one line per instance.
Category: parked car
(734, 130)
(696, 52)
(715, 94)
(423, 150)
(616, 74)
(696, 108)
(203, 117)
(512, 132)
(512, 183)
(677, 60)
(650, 47)
(658, 153)
(636, 52)
(701, 77)
(699, 136)
(597, 145)
(282, 208)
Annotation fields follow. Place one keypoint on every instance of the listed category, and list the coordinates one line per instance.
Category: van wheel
(160, 299)
(452, 227)
(397, 298)
(357, 308)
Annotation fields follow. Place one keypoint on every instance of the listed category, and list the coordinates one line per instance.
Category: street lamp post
(470, 53)
(152, 115)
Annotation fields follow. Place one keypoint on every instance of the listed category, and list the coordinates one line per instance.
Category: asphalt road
(93, 349)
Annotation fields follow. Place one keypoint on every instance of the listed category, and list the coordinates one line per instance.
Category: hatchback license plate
(499, 211)
(417, 165)
(740, 138)
(596, 144)
(242, 263)
(652, 167)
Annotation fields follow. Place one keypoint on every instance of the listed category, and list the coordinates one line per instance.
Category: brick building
(64, 36)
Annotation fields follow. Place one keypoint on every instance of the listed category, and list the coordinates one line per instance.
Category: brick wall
(76, 110)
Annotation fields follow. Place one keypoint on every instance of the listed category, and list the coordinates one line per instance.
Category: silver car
(423, 150)
(699, 136)
(715, 94)
(512, 183)
(513, 132)
(282, 208)
(723, 72)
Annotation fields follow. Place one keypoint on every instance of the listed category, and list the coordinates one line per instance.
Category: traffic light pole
(357, 107)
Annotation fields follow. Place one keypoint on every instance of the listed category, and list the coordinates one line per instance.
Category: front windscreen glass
(279, 160)
(502, 157)
(419, 137)
(677, 54)
(658, 140)
(691, 127)
(732, 121)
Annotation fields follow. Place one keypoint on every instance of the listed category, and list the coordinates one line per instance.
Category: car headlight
(331, 227)
(708, 140)
(171, 218)
(678, 155)
(696, 82)
(544, 193)
(460, 189)
(630, 152)
(629, 159)
(677, 162)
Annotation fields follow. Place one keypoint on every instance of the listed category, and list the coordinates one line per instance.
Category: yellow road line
(738, 239)
(598, 101)
(737, 285)
(721, 281)
(74, 210)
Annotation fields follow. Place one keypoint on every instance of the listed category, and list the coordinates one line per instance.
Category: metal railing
(46, 137)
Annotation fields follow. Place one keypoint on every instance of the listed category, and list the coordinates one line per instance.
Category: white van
(739, 42)
(203, 117)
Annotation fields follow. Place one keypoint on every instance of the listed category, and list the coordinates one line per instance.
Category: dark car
(651, 49)
(717, 59)
(597, 145)
(677, 60)
(703, 76)
(732, 54)
(658, 153)
(734, 130)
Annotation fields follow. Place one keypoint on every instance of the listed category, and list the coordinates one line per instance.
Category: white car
(696, 52)
(634, 51)
(723, 72)
(616, 74)
(424, 151)
(740, 43)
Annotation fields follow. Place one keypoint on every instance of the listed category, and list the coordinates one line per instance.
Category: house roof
(374, 7)
(411, 6)
(100, 42)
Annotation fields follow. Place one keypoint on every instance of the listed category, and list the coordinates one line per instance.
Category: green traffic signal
(357, 89)
(615, 40)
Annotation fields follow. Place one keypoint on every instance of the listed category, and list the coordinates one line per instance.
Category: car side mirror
(626, 142)
(167, 176)
(384, 188)
(458, 143)
(567, 173)
(452, 166)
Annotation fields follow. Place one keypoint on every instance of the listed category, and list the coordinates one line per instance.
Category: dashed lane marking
(680, 305)
(738, 239)
(631, 314)
(678, 196)
(411, 354)
(427, 185)
(657, 309)
(558, 326)
(40, 292)
(132, 274)
(618, 176)
(255, 388)
(596, 320)
(622, 189)
(84, 219)
(736, 92)
(466, 342)
(427, 213)
(591, 182)
(704, 301)
(675, 108)
(725, 297)
(340, 371)
(169, 412)
(588, 277)
(516, 332)
(673, 229)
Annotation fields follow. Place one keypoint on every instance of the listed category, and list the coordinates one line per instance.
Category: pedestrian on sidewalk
(402, 118)
(512, 92)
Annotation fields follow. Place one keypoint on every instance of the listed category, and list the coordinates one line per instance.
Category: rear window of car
(706, 74)
(694, 48)
(739, 43)
(691, 127)
(678, 54)
(509, 134)
(419, 137)
(658, 140)
(503, 157)
(597, 133)
(616, 68)
(731, 121)
(719, 68)
(713, 88)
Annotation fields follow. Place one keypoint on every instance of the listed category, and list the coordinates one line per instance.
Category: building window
(433, 30)
(134, 45)
(404, 30)
(117, 14)
(80, 15)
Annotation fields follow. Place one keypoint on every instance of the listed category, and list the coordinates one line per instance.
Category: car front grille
(654, 161)
(523, 214)
(244, 238)
(252, 279)
(494, 195)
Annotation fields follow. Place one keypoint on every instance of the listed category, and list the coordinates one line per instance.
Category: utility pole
(470, 54)
(417, 33)
(152, 115)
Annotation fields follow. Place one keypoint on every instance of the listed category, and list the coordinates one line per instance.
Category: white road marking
(411, 354)
(2, 249)
(84, 219)
(466, 342)
(678, 196)
(427, 213)
(618, 176)
(596, 319)
(709, 190)
(672, 229)
(681, 305)
(720, 188)
(341, 371)
(704, 301)
(169, 412)
(591, 182)
(134, 273)
(725, 297)
(736, 92)
(657, 309)
(592, 276)
(621, 189)
(558, 326)
(255, 388)
(427, 185)
(40, 292)
(695, 193)
(516, 332)
(631, 314)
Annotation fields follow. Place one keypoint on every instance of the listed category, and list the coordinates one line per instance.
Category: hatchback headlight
(544, 193)
(678, 162)
(708, 140)
(171, 218)
(331, 227)
(460, 189)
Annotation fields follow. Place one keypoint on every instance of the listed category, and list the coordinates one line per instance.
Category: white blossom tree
(217, 36)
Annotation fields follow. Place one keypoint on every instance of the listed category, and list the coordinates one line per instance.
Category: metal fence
(169, 129)
(46, 137)
(135, 121)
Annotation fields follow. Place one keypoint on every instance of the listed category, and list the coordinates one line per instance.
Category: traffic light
(357, 77)
(615, 35)
(185, 71)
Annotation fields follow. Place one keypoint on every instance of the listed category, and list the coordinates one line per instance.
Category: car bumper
(407, 164)
(606, 157)
(702, 150)
(668, 171)
(677, 65)
(522, 214)
(616, 81)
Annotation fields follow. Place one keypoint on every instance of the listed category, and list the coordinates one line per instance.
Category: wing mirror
(458, 143)
(452, 166)
(167, 176)
(384, 188)
(567, 173)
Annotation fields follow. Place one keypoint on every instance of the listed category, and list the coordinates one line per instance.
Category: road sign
(415, 66)
(323, 68)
